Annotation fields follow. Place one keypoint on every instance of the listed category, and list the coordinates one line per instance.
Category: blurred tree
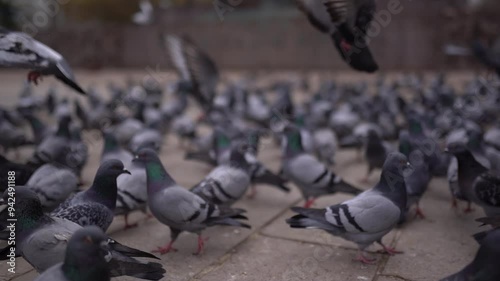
(7, 14)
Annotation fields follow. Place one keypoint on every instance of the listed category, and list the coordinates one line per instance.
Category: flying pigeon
(346, 21)
(179, 208)
(194, 66)
(19, 50)
(366, 218)
(95, 206)
(313, 178)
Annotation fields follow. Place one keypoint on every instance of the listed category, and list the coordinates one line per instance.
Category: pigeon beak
(125, 171)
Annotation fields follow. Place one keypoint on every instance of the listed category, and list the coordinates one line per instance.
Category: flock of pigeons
(410, 129)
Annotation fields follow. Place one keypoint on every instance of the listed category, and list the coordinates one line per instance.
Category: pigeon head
(396, 163)
(112, 168)
(157, 176)
(237, 156)
(87, 255)
(145, 154)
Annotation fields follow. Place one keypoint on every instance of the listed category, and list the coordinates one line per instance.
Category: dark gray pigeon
(418, 177)
(313, 178)
(19, 50)
(42, 241)
(179, 208)
(366, 218)
(484, 267)
(375, 150)
(96, 205)
(469, 169)
(85, 260)
(52, 145)
(346, 22)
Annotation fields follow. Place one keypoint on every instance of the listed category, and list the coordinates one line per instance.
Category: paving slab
(259, 259)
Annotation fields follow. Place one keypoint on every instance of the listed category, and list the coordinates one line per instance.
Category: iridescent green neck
(157, 176)
(294, 142)
(223, 141)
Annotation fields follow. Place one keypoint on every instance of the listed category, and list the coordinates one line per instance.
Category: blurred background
(247, 34)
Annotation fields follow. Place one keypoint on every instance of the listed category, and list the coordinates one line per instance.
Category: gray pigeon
(113, 150)
(52, 145)
(484, 267)
(179, 208)
(19, 50)
(132, 192)
(85, 260)
(42, 241)
(418, 177)
(366, 218)
(53, 182)
(227, 183)
(96, 205)
(313, 178)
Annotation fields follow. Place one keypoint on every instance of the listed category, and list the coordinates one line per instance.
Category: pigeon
(346, 21)
(53, 182)
(366, 218)
(113, 150)
(313, 178)
(23, 172)
(19, 50)
(418, 177)
(132, 193)
(179, 208)
(85, 259)
(12, 137)
(227, 183)
(96, 205)
(375, 152)
(468, 171)
(42, 241)
(484, 267)
(52, 145)
(325, 143)
(40, 130)
(490, 57)
(145, 15)
(193, 66)
(486, 188)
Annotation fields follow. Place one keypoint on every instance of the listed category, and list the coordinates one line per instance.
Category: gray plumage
(226, 184)
(19, 50)
(42, 241)
(95, 206)
(368, 217)
(313, 178)
(179, 208)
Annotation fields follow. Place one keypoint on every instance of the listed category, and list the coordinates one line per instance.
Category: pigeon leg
(174, 233)
(469, 208)
(419, 213)
(253, 192)
(127, 225)
(454, 203)
(363, 259)
(389, 250)
(201, 245)
(33, 76)
(309, 202)
(165, 249)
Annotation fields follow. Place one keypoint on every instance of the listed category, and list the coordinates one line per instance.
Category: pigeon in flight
(19, 50)
(346, 21)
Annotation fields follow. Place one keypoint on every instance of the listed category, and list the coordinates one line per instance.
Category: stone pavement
(433, 247)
